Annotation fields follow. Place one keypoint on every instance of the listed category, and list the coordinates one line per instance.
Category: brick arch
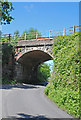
(29, 62)
(23, 52)
(35, 52)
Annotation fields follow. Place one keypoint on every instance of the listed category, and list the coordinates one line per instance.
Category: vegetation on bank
(6, 81)
(65, 80)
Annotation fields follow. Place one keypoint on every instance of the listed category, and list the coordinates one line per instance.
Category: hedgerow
(65, 80)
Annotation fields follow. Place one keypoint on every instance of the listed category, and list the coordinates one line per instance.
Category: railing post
(36, 35)
(73, 29)
(25, 36)
(49, 33)
(14, 36)
(9, 37)
(64, 32)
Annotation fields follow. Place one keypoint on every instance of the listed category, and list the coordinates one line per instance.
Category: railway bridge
(29, 54)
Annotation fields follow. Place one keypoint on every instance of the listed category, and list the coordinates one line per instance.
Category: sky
(43, 16)
(44, 0)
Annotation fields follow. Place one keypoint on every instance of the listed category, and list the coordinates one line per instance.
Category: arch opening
(28, 64)
(44, 72)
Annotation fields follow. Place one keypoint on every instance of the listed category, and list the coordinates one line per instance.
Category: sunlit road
(28, 101)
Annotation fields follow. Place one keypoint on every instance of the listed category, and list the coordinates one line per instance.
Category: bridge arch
(27, 64)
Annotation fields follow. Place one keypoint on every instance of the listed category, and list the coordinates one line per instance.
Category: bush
(66, 74)
(6, 80)
(47, 89)
(43, 73)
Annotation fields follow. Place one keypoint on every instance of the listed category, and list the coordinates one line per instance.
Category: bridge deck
(35, 42)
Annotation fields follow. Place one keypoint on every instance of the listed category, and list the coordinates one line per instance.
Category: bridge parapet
(43, 44)
(34, 42)
(46, 49)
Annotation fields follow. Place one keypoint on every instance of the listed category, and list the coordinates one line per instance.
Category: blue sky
(43, 16)
(44, 0)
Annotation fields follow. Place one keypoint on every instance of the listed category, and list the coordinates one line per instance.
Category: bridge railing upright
(72, 30)
(6, 38)
(53, 33)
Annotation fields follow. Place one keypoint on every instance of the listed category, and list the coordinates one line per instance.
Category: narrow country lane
(28, 101)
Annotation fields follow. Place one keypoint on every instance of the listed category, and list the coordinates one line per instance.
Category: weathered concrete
(34, 42)
(33, 53)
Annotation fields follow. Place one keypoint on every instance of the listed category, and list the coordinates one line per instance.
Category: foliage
(6, 80)
(7, 63)
(7, 50)
(23, 35)
(16, 32)
(66, 75)
(5, 39)
(6, 9)
(14, 39)
(31, 34)
(43, 73)
(65, 98)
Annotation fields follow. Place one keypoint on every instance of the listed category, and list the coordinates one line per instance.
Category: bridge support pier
(25, 74)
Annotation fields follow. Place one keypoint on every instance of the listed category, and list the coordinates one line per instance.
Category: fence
(36, 35)
(5, 38)
(73, 29)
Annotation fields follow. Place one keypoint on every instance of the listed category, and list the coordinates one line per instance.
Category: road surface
(28, 101)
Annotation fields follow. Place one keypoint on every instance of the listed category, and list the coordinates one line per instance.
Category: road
(28, 101)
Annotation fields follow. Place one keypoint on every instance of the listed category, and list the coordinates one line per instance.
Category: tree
(23, 34)
(16, 33)
(31, 34)
(43, 73)
(6, 9)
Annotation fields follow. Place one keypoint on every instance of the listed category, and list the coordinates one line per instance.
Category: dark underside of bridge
(30, 62)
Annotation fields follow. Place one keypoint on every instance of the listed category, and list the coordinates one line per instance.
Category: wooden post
(64, 32)
(9, 37)
(73, 29)
(36, 35)
(14, 36)
(25, 36)
(49, 33)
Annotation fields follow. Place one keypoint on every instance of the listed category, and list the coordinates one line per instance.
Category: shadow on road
(23, 116)
(18, 86)
(42, 84)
